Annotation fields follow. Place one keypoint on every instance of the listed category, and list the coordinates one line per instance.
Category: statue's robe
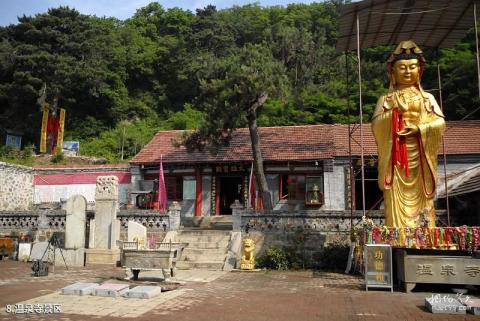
(407, 168)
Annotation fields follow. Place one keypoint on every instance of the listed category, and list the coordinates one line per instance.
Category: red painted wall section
(78, 178)
(198, 193)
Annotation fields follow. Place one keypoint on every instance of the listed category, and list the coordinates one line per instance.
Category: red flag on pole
(251, 189)
(162, 190)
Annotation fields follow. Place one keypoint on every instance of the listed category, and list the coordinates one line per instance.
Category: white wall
(53, 193)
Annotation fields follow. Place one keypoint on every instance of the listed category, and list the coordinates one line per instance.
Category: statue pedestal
(436, 266)
(102, 256)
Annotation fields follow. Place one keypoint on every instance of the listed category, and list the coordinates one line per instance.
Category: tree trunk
(257, 153)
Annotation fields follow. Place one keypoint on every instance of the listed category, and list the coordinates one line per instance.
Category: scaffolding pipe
(361, 114)
(439, 77)
(350, 163)
(476, 45)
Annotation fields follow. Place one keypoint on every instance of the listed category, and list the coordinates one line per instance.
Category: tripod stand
(53, 243)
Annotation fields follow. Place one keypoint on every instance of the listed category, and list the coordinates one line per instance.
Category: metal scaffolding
(372, 23)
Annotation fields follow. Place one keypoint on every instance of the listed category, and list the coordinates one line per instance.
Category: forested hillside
(121, 81)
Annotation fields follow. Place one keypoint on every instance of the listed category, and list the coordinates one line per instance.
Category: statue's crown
(406, 49)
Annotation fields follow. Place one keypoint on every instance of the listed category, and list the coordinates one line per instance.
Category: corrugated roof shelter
(463, 182)
(436, 24)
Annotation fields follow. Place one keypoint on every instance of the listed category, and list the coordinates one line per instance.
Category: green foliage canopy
(167, 68)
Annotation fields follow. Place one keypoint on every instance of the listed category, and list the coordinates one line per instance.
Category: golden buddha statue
(408, 126)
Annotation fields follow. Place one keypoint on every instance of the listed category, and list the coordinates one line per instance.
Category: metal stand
(52, 244)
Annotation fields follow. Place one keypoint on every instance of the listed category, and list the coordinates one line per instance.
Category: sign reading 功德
(378, 266)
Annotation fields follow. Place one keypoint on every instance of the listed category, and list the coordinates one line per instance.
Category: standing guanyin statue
(408, 126)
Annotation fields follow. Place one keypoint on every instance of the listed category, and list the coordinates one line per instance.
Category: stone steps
(199, 254)
(208, 245)
(207, 249)
(198, 251)
(208, 222)
(205, 238)
(204, 265)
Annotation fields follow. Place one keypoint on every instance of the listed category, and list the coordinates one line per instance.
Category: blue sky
(122, 9)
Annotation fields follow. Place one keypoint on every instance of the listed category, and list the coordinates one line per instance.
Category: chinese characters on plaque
(378, 266)
(448, 270)
(224, 169)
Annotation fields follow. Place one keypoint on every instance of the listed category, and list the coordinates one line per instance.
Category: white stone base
(102, 256)
(72, 257)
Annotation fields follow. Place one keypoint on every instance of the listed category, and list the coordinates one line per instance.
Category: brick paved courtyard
(210, 295)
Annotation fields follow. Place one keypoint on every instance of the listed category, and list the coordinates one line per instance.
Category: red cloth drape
(399, 146)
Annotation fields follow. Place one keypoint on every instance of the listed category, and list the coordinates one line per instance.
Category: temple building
(307, 167)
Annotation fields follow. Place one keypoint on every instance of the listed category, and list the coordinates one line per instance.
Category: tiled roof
(461, 138)
(277, 143)
(301, 143)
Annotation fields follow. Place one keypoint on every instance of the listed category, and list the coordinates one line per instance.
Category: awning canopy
(430, 23)
(464, 182)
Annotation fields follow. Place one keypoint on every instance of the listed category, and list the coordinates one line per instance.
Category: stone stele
(106, 204)
(137, 232)
(24, 251)
(106, 228)
(75, 222)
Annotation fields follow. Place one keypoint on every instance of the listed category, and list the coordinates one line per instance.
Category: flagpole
(250, 181)
(162, 191)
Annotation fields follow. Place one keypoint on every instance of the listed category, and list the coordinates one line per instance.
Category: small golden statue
(315, 194)
(408, 126)
(248, 257)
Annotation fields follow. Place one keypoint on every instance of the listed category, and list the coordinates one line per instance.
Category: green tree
(232, 91)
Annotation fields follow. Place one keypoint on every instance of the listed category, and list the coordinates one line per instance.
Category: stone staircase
(208, 222)
(207, 248)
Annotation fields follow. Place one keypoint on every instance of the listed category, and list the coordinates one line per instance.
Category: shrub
(58, 158)
(274, 258)
(17, 156)
(333, 257)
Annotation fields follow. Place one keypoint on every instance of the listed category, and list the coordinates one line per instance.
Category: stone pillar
(237, 210)
(75, 222)
(106, 228)
(174, 216)
(106, 205)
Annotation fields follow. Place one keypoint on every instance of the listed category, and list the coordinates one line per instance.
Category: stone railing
(150, 219)
(313, 237)
(280, 221)
(27, 221)
(323, 221)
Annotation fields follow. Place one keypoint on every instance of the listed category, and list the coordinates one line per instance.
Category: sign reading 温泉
(378, 266)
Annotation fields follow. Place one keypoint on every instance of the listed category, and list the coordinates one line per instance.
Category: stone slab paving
(80, 288)
(104, 306)
(143, 292)
(279, 296)
(452, 306)
(111, 290)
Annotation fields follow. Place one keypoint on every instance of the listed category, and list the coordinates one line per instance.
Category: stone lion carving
(248, 257)
(107, 187)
